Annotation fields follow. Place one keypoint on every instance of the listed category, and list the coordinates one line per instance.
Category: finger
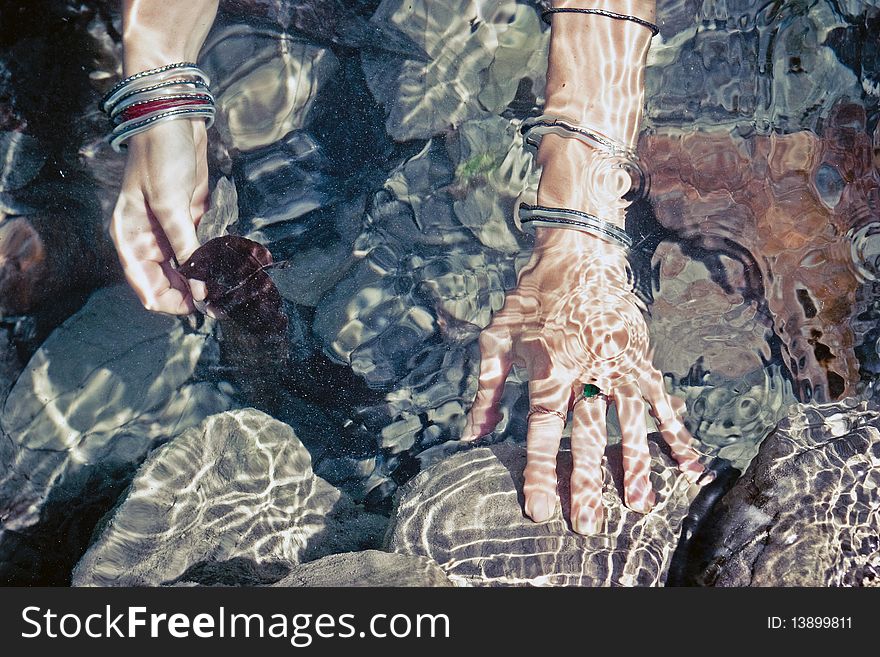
(638, 494)
(178, 290)
(588, 439)
(213, 311)
(495, 363)
(142, 258)
(171, 209)
(198, 290)
(172, 212)
(198, 207)
(156, 288)
(201, 198)
(676, 435)
(548, 399)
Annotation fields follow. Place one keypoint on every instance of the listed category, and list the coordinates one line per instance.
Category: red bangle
(148, 106)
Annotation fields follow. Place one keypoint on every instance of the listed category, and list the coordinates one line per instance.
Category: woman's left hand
(573, 320)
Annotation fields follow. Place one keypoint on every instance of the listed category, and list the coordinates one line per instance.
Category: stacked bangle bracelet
(530, 216)
(534, 129)
(539, 215)
(145, 99)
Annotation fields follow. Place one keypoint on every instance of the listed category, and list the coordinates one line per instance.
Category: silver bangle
(534, 129)
(143, 74)
(136, 126)
(183, 82)
(545, 16)
(194, 82)
(538, 215)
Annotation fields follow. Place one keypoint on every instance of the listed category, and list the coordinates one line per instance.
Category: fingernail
(198, 289)
(693, 476)
(206, 308)
(587, 522)
(706, 477)
(539, 507)
(642, 505)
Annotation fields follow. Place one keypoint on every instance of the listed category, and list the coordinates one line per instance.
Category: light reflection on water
(389, 184)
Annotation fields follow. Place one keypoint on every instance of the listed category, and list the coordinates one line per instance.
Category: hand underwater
(164, 194)
(574, 324)
(165, 185)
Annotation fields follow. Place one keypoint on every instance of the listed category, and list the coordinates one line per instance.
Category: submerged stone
(749, 63)
(264, 82)
(807, 511)
(756, 200)
(493, 170)
(730, 417)
(222, 214)
(21, 159)
(107, 386)
(367, 568)
(479, 52)
(238, 488)
(331, 22)
(466, 514)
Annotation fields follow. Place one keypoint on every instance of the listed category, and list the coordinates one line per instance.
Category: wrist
(158, 33)
(137, 58)
(575, 245)
(578, 177)
(645, 9)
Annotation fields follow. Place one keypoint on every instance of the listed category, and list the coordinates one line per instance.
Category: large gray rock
(466, 514)
(107, 386)
(239, 490)
(807, 511)
(367, 568)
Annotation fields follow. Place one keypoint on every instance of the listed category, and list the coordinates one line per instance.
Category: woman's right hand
(163, 197)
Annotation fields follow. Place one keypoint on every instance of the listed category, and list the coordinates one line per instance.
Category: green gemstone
(590, 390)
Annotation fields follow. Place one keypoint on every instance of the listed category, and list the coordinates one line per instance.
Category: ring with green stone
(591, 390)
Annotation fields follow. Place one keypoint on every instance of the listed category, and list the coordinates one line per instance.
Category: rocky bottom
(234, 501)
